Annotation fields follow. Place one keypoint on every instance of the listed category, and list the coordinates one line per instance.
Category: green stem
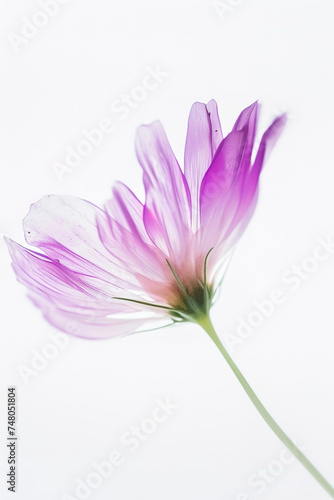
(206, 324)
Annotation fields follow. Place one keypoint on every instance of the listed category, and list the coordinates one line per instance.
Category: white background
(75, 410)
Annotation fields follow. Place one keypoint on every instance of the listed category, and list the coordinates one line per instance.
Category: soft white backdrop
(62, 81)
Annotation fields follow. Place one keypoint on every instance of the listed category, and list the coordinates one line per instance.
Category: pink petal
(88, 327)
(220, 176)
(67, 288)
(230, 187)
(127, 248)
(65, 228)
(203, 138)
(77, 304)
(268, 141)
(248, 119)
(167, 206)
(125, 207)
(249, 187)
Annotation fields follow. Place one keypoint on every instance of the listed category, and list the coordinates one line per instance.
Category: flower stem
(206, 324)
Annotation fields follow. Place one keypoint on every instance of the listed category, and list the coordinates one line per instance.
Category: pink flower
(107, 272)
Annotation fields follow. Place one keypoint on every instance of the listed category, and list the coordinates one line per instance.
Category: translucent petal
(167, 205)
(203, 138)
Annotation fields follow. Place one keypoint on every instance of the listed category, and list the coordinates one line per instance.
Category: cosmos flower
(106, 272)
(103, 273)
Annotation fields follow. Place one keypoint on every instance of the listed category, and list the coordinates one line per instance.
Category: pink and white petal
(234, 216)
(267, 143)
(220, 177)
(129, 250)
(167, 193)
(58, 284)
(248, 119)
(245, 116)
(225, 238)
(86, 326)
(68, 299)
(216, 130)
(237, 223)
(128, 217)
(127, 210)
(150, 269)
(65, 228)
(203, 138)
(239, 189)
(164, 228)
(247, 190)
(249, 187)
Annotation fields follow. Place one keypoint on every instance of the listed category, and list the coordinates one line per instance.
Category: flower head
(106, 272)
